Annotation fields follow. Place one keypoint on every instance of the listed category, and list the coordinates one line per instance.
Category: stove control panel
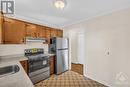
(34, 51)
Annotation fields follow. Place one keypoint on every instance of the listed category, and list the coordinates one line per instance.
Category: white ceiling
(43, 11)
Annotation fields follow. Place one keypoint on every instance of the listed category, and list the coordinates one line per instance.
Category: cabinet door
(41, 32)
(52, 65)
(48, 35)
(53, 32)
(14, 31)
(1, 27)
(59, 33)
(31, 30)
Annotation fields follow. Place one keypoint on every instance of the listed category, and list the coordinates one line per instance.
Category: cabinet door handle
(35, 35)
(38, 34)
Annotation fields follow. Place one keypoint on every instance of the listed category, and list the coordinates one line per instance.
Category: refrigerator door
(65, 60)
(61, 43)
(62, 61)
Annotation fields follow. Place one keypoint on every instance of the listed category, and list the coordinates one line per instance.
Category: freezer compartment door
(61, 43)
(62, 61)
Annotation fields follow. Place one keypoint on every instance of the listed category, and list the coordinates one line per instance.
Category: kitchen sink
(8, 70)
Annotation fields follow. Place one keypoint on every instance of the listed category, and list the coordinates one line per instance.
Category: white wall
(13, 49)
(107, 47)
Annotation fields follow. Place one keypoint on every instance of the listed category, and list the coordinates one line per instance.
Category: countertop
(17, 57)
(11, 58)
(19, 79)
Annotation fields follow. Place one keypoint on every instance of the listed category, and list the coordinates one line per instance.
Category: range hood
(35, 40)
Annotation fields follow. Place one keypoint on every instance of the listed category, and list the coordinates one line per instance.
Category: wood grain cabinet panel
(56, 33)
(14, 31)
(59, 33)
(31, 30)
(52, 64)
(53, 33)
(48, 34)
(41, 31)
(77, 68)
(1, 27)
(24, 64)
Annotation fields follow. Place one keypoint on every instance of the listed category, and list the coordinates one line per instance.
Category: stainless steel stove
(38, 64)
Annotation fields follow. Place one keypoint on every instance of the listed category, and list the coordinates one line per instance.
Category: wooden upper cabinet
(41, 31)
(53, 32)
(59, 33)
(44, 31)
(56, 33)
(35, 31)
(1, 27)
(31, 30)
(48, 34)
(14, 31)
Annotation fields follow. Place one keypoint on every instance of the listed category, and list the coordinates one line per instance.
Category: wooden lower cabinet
(24, 63)
(1, 27)
(52, 65)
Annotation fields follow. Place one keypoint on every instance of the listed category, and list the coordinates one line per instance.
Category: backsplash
(13, 49)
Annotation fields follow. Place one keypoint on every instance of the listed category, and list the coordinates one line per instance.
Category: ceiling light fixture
(59, 4)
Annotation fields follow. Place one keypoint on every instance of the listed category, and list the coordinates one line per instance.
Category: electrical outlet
(108, 53)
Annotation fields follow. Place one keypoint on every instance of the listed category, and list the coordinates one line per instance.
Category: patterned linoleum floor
(69, 79)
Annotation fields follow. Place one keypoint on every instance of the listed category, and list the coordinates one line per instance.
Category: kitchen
(31, 47)
(64, 45)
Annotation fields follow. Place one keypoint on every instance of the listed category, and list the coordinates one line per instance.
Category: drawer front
(40, 77)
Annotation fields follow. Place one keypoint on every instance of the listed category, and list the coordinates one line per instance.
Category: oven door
(38, 63)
